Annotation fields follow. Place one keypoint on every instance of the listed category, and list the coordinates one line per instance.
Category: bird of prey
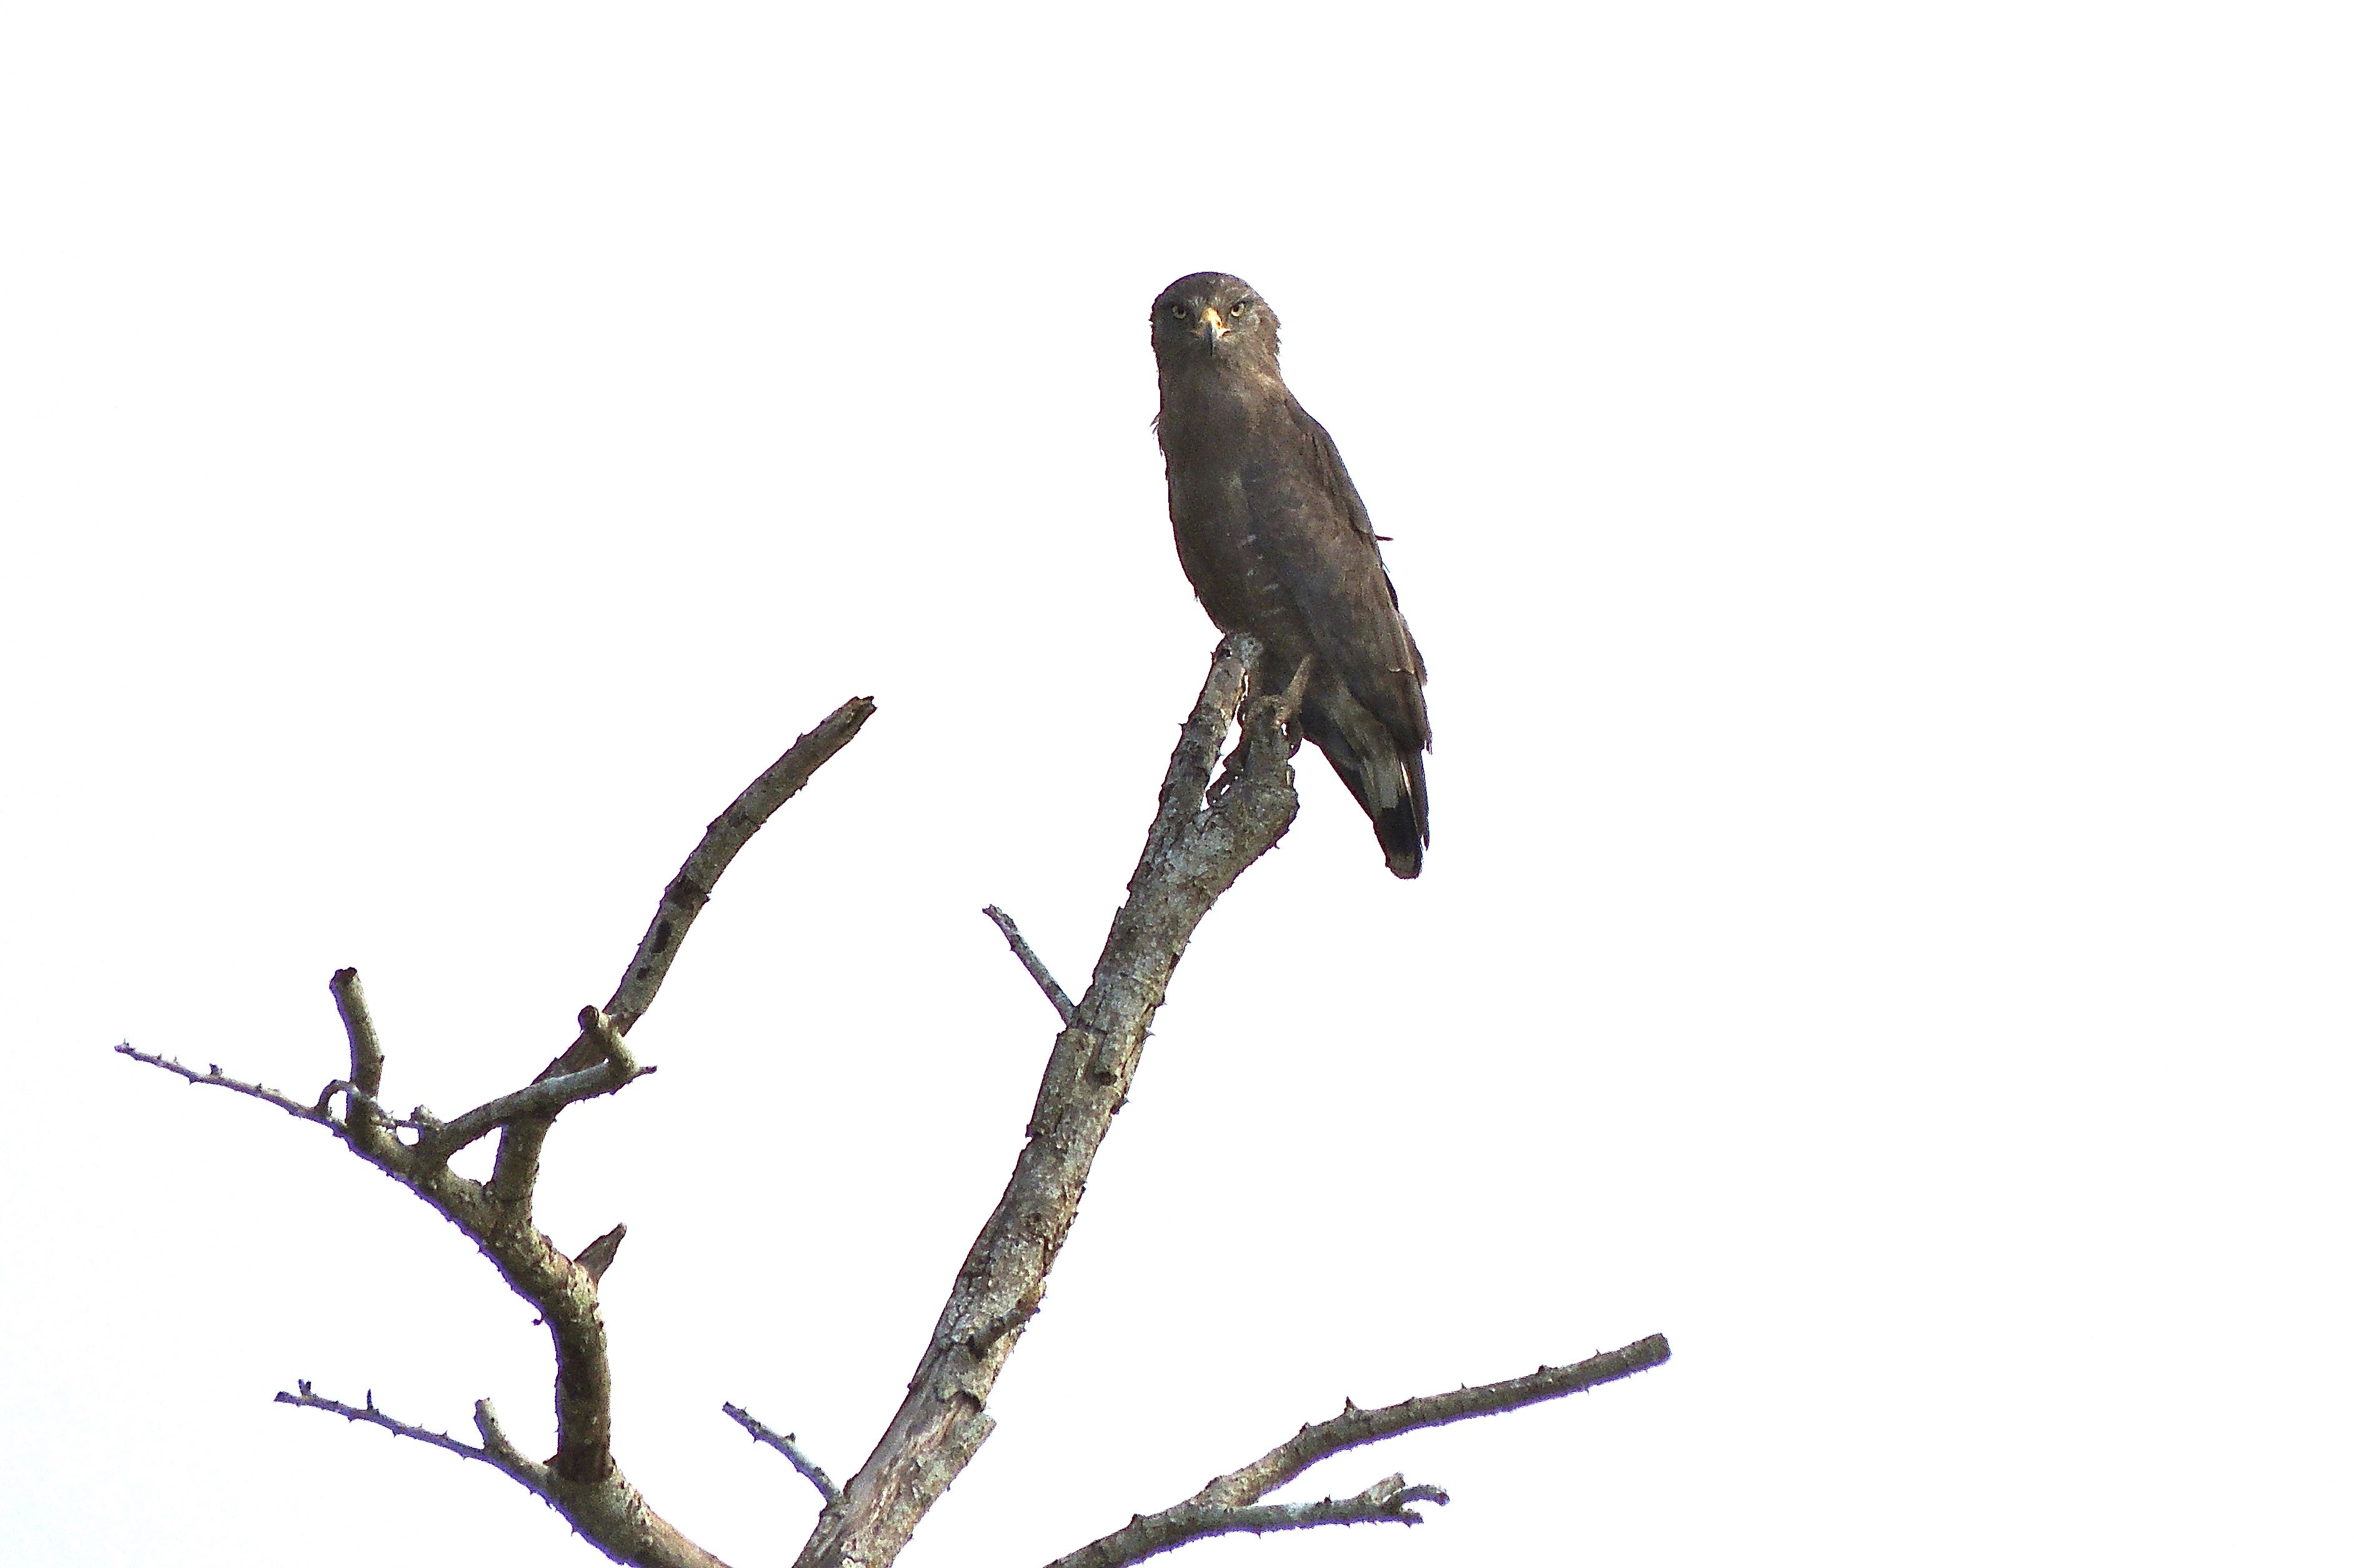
(1277, 543)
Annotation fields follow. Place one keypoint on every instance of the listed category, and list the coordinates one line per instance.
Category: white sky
(1872, 484)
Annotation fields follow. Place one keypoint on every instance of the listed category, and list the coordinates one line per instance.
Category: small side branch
(784, 1443)
(1353, 1428)
(1387, 1500)
(598, 1256)
(543, 1100)
(1064, 1006)
(1229, 1503)
(369, 1414)
(213, 1077)
(367, 1050)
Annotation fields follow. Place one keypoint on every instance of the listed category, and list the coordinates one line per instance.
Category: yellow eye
(1177, 313)
(1242, 307)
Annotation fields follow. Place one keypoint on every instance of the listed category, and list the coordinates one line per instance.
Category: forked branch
(1231, 1501)
(581, 1481)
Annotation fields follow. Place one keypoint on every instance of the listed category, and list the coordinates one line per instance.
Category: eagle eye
(1177, 312)
(1242, 307)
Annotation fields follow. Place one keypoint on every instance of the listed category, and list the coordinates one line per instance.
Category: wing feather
(1317, 536)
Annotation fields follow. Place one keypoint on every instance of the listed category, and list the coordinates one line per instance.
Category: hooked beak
(1213, 328)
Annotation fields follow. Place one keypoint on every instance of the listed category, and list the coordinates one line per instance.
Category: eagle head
(1214, 316)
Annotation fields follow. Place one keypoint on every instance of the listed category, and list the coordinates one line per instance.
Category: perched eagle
(1277, 543)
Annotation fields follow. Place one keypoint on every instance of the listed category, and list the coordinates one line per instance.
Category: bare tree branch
(786, 1443)
(1193, 853)
(581, 1481)
(1386, 1500)
(1032, 962)
(1223, 1506)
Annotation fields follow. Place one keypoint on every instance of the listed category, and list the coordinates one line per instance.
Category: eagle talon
(1287, 707)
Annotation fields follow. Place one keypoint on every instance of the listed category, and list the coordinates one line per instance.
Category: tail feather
(1386, 779)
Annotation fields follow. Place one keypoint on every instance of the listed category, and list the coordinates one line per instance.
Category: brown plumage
(1277, 543)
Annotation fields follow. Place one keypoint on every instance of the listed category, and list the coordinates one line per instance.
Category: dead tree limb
(1231, 1502)
(1203, 836)
(1193, 853)
(581, 1480)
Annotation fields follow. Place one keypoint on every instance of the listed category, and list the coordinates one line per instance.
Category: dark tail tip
(1401, 838)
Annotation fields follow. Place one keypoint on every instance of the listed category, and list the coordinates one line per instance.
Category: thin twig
(1216, 1507)
(1033, 962)
(786, 1443)
(1386, 1500)
(214, 1079)
(375, 1417)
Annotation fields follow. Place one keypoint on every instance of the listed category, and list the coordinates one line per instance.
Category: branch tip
(1031, 962)
(785, 1443)
(598, 1256)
